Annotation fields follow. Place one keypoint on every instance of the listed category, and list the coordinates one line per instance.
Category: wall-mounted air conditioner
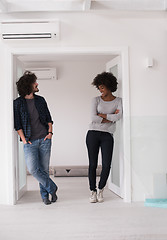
(44, 73)
(30, 29)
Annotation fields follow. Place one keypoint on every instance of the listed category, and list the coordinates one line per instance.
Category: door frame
(19, 190)
(11, 53)
(119, 190)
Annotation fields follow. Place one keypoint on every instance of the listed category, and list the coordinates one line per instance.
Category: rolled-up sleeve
(94, 111)
(115, 117)
(17, 121)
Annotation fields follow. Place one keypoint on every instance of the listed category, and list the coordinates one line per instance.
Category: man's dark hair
(24, 85)
(107, 79)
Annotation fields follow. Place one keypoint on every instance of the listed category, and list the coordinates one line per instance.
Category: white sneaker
(100, 195)
(93, 197)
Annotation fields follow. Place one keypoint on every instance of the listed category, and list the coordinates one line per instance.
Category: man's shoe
(93, 197)
(54, 196)
(100, 195)
(46, 201)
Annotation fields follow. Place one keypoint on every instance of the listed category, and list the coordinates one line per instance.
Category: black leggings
(94, 141)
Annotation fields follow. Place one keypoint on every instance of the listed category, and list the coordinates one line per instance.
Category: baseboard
(71, 171)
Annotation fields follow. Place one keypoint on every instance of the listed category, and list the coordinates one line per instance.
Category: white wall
(146, 35)
(3, 138)
(69, 100)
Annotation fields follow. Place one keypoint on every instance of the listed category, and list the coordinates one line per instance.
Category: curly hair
(24, 84)
(107, 79)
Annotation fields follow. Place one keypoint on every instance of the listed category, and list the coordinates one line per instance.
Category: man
(33, 122)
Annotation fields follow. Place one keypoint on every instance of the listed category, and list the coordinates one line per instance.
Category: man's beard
(36, 90)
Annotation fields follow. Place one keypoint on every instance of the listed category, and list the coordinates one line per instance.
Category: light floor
(72, 217)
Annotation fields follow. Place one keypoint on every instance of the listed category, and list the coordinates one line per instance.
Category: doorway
(20, 56)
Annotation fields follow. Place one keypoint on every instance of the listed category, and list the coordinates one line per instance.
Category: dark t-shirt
(38, 130)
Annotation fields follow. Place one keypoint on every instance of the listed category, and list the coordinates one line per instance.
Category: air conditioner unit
(44, 73)
(30, 29)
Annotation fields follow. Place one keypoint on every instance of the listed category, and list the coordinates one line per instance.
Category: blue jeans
(37, 156)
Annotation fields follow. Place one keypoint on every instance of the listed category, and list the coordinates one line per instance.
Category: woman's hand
(105, 121)
(105, 115)
(49, 136)
(102, 115)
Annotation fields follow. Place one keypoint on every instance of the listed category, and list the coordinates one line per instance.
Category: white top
(105, 107)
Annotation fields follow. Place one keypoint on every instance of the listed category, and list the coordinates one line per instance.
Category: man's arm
(50, 122)
(50, 128)
(21, 134)
(49, 136)
(48, 116)
(17, 122)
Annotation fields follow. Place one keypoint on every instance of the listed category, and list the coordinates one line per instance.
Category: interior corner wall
(145, 33)
(2, 158)
(4, 132)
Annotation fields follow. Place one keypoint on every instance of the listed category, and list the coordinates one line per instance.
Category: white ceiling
(43, 58)
(10, 6)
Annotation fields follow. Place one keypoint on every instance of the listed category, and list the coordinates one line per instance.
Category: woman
(106, 110)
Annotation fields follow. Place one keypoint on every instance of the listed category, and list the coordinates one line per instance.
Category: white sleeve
(94, 111)
(115, 117)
